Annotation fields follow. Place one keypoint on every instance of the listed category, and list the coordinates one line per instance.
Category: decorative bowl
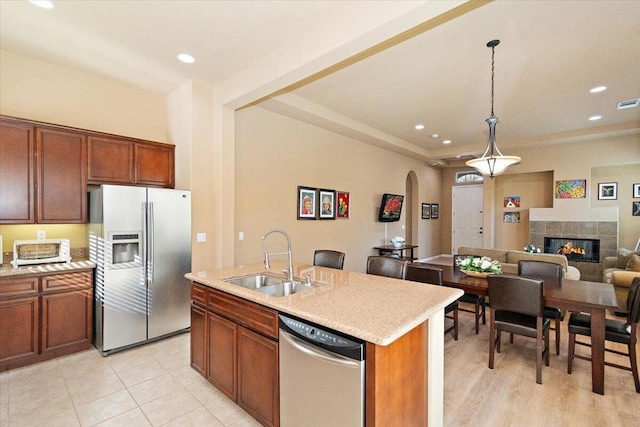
(476, 273)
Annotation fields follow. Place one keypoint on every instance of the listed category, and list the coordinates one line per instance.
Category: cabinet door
(258, 376)
(16, 173)
(19, 330)
(154, 164)
(67, 320)
(198, 340)
(61, 176)
(110, 160)
(222, 339)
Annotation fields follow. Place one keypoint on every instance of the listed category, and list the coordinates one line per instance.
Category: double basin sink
(270, 285)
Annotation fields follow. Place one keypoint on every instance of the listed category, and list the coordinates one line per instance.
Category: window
(469, 176)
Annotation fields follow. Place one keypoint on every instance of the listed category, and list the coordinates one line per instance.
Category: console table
(401, 249)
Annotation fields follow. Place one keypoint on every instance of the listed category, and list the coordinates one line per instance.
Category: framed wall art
(511, 217)
(607, 191)
(571, 189)
(306, 202)
(327, 204)
(342, 209)
(636, 191)
(511, 202)
(435, 210)
(635, 211)
(426, 211)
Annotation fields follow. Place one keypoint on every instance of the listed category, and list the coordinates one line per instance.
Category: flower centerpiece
(479, 266)
(531, 249)
(398, 241)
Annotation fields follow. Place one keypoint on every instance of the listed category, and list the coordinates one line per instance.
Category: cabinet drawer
(18, 287)
(198, 294)
(246, 313)
(59, 282)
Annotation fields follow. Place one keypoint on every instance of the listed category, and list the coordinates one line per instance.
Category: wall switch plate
(41, 234)
(241, 235)
(201, 237)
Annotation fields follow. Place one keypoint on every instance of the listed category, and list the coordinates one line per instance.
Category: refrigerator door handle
(143, 239)
(150, 231)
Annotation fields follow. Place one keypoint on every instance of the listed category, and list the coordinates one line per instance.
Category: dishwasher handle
(317, 352)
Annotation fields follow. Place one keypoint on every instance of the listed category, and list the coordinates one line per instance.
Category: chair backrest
(420, 272)
(633, 302)
(387, 266)
(549, 272)
(328, 258)
(514, 293)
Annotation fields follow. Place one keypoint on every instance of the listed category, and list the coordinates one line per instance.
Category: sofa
(509, 259)
(620, 271)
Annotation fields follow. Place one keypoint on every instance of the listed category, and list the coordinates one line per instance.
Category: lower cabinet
(47, 316)
(238, 340)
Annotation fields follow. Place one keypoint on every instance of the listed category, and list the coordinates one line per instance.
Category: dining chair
(328, 258)
(479, 301)
(551, 274)
(387, 266)
(517, 307)
(615, 331)
(423, 273)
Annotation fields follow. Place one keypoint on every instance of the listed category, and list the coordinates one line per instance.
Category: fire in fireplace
(579, 250)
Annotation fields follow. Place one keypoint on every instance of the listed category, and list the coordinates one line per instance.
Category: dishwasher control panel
(328, 339)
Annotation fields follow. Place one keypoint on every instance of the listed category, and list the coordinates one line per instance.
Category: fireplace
(579, 250)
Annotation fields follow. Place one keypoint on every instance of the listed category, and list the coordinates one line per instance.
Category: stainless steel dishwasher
(321, 376)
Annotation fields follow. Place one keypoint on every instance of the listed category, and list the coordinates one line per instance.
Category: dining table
(572, 295)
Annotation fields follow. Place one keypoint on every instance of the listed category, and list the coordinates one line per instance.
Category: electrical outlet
(201, 237)
(41, 234)
(241, 235)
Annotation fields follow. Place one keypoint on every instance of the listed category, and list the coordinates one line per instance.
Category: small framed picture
(511, 217)
(636, 191)
(426, 211)
(571, 189)
(511, 202)
(435, 210)
(636, 209)
(607, 191)
(342, 209)
(306, 203)
(327, 204)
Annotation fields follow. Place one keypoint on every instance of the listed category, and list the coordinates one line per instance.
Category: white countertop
(7, 269)
(373, 308)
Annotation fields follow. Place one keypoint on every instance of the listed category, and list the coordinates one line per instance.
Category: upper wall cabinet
(17, 159)
(154, 164)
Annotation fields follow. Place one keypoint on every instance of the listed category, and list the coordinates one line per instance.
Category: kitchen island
(402, 323)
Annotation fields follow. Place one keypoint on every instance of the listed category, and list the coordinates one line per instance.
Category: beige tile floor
(152, 385)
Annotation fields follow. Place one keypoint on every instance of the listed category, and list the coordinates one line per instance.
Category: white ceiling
(550, 55)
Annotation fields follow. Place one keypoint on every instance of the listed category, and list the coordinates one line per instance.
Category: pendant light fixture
(492, 162)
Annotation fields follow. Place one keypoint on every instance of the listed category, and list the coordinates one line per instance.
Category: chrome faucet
(288, 253)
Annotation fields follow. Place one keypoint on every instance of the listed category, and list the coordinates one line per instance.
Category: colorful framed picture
(327, 204)
(511, 202)
(306, 202)
(607, 191)
(435, 210)
(426, 211)
(342, 209)
(636, 191)
(571, 189)
(511, 217)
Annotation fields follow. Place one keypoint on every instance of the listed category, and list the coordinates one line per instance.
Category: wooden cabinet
(119, 160)
(61, 174)
(240, 348)
(47, 316)
(17, 159)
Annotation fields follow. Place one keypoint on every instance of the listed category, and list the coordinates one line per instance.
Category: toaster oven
(29, 252)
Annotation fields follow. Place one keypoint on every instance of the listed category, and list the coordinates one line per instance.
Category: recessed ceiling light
(186, 58)
(435, 135)
(598, 89)
(594, 118)
(45, 4)
(446, 141)
(419, 127)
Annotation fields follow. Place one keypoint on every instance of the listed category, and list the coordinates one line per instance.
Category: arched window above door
(469, 176)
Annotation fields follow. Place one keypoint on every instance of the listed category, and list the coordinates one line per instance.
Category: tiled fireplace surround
(605, 231)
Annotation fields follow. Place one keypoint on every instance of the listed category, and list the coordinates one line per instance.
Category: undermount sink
(270, 285)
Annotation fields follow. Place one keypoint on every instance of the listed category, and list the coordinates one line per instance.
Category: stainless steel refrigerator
(140, 240)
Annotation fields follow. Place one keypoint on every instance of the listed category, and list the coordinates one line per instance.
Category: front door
(467, 217)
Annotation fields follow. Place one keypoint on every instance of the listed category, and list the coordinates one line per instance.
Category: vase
(398, 245)
(476, 273)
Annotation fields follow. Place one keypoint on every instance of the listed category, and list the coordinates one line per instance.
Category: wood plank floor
(509, 396)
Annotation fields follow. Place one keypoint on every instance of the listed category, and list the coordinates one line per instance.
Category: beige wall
(275, 154)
